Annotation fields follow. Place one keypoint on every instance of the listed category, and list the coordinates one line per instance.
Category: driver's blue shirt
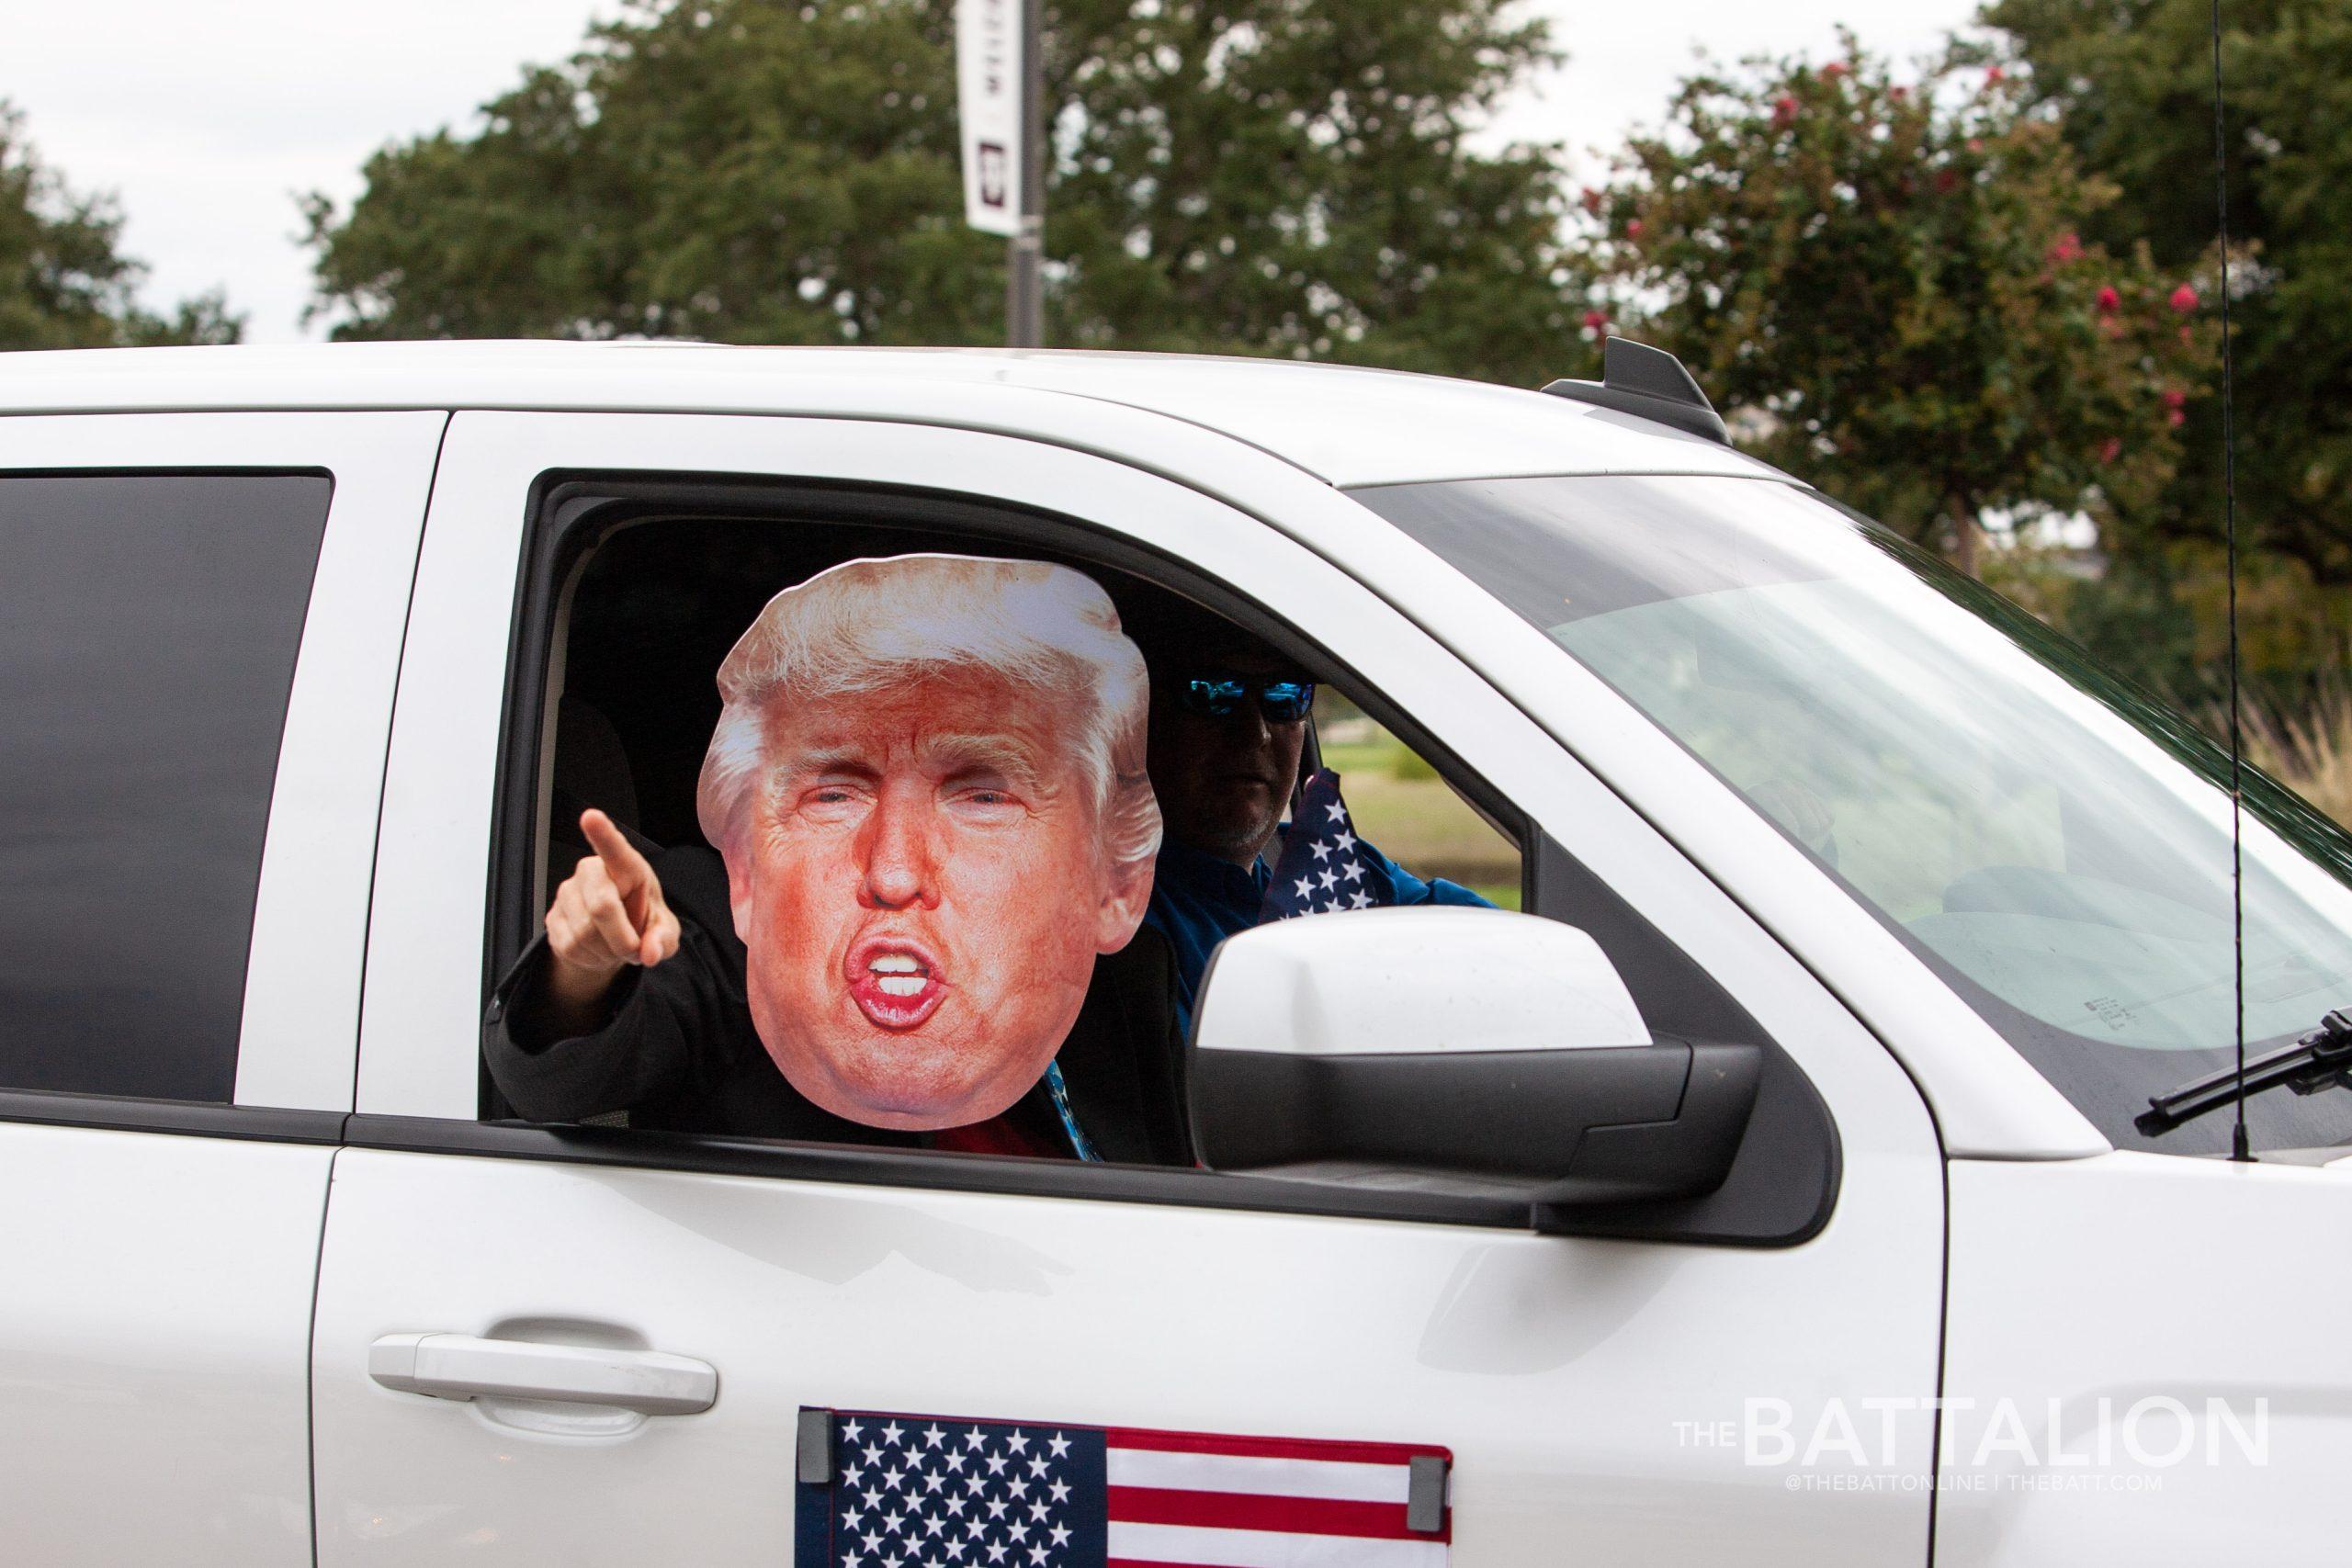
(1198, 900)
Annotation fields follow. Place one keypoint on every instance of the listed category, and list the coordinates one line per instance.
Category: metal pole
(1024, 311)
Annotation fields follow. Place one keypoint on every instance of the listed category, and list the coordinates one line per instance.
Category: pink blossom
(2111, 449)
(1596, 320)
(2184, 298)
(1835, 69)
(1784, 109)
(2175, 397)
(1591, 200)
(1995, 76)
(2068, 247)
(2110, 301)
(1633, 227)
(2175, 419)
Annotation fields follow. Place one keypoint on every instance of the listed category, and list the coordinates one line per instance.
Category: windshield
(2053, 843)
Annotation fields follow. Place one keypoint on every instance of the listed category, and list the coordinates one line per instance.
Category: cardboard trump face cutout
(928, 783)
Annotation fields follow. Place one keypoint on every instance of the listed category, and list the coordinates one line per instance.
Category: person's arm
(607, 1008)
(1410, 889)
(609, 915)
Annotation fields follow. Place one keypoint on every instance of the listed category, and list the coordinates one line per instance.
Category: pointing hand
(608, 913)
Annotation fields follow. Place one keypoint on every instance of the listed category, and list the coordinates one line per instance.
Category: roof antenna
(2239, 1150)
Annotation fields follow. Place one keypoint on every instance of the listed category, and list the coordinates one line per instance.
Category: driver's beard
(1233, 838)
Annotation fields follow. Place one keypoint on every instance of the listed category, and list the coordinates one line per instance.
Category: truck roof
(1347, 425)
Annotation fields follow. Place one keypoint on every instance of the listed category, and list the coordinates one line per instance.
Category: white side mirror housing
(1363, 982)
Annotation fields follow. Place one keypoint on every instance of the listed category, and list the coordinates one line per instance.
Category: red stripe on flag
(1270, 1448)
(1252, 1511)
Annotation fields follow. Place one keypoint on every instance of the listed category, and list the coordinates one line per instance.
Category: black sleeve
(1123, 1062)
(667, 1028)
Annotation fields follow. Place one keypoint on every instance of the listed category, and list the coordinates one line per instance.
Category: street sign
(988, 81)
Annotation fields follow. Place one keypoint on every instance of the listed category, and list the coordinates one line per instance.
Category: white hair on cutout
(874, 624)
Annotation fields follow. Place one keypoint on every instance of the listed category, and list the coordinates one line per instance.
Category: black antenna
(2238, 1145)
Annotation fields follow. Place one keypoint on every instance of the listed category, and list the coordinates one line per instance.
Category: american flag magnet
(908, 1491)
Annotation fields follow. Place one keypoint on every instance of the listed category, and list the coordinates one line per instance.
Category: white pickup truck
(308, 657)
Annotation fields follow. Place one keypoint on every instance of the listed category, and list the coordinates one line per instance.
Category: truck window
(1399, 800)
(638, 656)
(148, 625)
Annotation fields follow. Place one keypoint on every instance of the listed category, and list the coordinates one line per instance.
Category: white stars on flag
(1324, 867)
(976, 1497)
(1032, 1496)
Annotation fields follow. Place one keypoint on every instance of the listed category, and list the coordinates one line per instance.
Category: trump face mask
(928, 783)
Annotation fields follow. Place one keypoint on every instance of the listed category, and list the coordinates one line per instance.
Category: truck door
(629, 1324)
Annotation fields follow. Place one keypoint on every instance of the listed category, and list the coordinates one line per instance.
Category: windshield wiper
(2319, 1060)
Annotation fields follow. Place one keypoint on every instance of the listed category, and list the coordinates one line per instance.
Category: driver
(1228, 727)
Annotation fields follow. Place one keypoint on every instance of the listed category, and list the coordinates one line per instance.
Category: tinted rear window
(148, 631)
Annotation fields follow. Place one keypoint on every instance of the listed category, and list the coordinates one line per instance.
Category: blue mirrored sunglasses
(1221, 697)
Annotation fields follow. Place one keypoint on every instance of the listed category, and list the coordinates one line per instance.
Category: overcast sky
(208, 120)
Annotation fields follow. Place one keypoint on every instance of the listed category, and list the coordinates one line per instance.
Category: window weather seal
(203, 1119)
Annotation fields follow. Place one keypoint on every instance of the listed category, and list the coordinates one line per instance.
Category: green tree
(1257, 177)
(64, 284)
(1888, 286)
(2130, 81)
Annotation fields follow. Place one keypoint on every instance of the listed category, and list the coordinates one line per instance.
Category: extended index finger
(629, 870)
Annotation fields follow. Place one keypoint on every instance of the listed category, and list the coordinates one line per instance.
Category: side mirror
(1466, 1051)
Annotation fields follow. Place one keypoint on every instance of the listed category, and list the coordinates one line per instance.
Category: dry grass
(2311, 753)
(1400, 804)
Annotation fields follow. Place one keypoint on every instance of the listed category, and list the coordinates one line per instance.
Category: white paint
(154, 1305)
(1350, 1480)
(1351, 427)
(1194, 1546)
(2091, 1303)
(1379, 982)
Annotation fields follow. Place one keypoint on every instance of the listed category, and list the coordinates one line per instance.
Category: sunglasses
(1220, 696)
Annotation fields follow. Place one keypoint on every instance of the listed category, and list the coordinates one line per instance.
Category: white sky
(206, 119)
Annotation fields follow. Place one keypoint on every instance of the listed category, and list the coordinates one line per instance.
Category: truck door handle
(458, 1365)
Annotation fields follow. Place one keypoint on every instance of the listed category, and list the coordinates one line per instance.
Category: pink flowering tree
(1883, 286)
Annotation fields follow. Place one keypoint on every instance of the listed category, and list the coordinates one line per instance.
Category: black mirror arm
(1686, 1157)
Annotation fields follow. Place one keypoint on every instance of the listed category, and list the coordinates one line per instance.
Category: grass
(2310, 753)
(1400, 806)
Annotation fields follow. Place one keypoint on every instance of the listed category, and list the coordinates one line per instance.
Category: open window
(635, 593)
(1400, 801)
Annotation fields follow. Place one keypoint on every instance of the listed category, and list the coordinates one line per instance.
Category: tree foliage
(63, 283)
(1253, 176)
(1889, 287)
(2130, 84)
